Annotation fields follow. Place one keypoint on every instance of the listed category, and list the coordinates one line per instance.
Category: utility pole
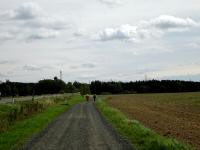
(60, 74)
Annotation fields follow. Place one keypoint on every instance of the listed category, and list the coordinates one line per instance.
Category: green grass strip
(140, 137)
(17, 134)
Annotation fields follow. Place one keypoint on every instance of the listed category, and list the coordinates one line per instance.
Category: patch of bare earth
(172, 119)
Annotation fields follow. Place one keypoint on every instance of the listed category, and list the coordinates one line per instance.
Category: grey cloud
(171, 22)
(25, 11)
(35, 68)
(2, 75)
(80, 32)
(31, 68)
(73, 67)
(89, 65)
(3, 62)
(34, 17)
(53, 22)
(31, 22)
(86, 77)
(28, 10)
(43, 34)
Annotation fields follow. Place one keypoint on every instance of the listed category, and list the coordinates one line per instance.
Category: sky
(118, 40)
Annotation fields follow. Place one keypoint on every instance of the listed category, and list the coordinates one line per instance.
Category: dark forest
(54, 86)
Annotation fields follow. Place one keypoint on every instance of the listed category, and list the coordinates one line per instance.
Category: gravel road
(79, 128)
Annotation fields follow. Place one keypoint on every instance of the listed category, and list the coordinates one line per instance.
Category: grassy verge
(140, 137)
(17, 133)
(12, 112)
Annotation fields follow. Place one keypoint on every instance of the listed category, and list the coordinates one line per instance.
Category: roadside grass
(12, 112)
(140, 138)
(17, 133)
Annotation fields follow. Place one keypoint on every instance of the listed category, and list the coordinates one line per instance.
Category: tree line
(46, 86)
(55, 86)
(151, 86)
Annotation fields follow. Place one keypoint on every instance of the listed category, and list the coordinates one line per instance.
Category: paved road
(80, 128)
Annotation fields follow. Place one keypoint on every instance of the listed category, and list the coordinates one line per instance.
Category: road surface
(79, 128)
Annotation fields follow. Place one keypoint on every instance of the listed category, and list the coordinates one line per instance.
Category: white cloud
(110, 2)
(176, 71)
(4, 36)
(194, 45)
(147, 29)
(126, 32)
(30, 17)
(123, 32)
(43, 34)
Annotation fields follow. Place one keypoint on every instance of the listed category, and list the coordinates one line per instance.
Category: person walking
(87, 97)
(94, 97)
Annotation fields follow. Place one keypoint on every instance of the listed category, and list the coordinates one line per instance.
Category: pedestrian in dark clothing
(94, 97)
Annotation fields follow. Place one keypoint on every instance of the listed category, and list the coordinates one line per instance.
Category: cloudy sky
(99, 39)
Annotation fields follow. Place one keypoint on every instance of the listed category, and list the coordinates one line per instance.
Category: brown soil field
(175, 115)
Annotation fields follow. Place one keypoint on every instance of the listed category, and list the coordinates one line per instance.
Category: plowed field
(174, 115)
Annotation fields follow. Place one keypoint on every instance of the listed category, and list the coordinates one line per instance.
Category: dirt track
(80, 128)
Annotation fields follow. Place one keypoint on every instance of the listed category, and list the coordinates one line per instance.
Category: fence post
(13, 100)
(33, 95)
